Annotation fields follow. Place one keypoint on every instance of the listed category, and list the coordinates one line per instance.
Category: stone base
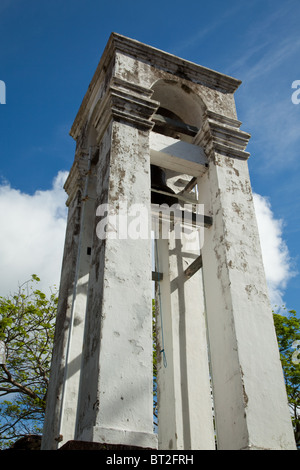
(84, 445)
(119, 437)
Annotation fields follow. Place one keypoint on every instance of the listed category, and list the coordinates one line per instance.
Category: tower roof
(156, 58)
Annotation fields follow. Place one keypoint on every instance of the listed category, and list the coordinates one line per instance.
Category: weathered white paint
(55, 393)
(177, 155)
(116, 382)
(114, 395)
(185, 419)
(246, 371)
(75, 341)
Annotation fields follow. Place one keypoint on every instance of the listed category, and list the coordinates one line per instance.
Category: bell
(158, 183)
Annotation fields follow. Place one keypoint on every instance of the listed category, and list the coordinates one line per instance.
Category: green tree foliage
(27, 321)
(288, 336)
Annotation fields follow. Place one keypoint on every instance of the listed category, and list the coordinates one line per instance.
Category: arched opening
(180, 116)
(178, 302)
(180, 112)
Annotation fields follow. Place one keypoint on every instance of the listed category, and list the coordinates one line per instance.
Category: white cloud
(271, 59)
(276, 258)
(32, 235)
(196, 37)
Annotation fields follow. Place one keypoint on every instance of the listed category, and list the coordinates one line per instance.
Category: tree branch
(21, 388)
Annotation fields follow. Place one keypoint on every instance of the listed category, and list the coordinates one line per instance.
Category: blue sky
(48, 53)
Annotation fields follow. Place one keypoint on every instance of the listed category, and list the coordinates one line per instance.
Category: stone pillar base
(119, 437)
(85, 445)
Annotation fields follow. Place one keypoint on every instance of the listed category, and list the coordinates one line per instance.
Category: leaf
(27, 322)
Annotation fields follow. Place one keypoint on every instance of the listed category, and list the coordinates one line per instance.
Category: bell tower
(159, 191)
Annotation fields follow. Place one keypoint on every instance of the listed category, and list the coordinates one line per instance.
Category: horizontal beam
(176, 126)
(177, 196)
(157, 276)
(181, 216)
(176, 155)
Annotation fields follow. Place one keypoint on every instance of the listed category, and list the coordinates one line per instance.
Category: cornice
(155, 58)
(222, 135)
(76, 178)
(174, 65)
(125, 102)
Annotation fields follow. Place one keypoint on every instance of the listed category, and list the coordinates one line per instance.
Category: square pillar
(251, 409)
(52, 430)
(116, 388)
(79, 301)
(185, 419)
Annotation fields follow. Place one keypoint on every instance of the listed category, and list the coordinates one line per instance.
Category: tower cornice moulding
(76, 178)
(170, 64)
(125, 102)
(220, 134)
(175, 65)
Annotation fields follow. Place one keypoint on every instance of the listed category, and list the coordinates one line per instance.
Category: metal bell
(158, 183)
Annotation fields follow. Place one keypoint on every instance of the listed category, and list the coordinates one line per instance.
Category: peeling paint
(119, 107)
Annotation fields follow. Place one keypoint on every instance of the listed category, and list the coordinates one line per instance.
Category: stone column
(184, 395)
(52, 432)
(250, 399)
(75, 340)
(115, 395)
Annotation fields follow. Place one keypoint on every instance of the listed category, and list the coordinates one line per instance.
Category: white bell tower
(148, 114)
